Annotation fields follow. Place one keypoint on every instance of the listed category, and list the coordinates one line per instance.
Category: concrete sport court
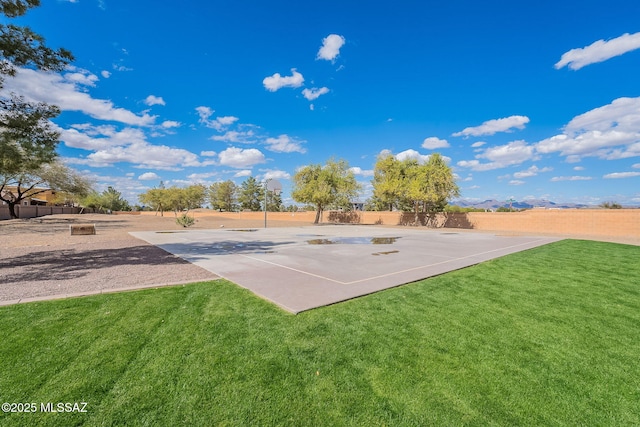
(301, 268)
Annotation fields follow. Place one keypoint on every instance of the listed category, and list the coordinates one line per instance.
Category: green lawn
(550, 336)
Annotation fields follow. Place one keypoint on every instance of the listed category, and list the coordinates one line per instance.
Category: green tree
(274, 201)
(223, 196)
(389, 182)
(184, 199)
(27, 138)
(55, 176)
(250, 194)
(114, 201)
(410, 185)
(611, 205)
(110, 199)
(322, 186)
(155, 198)
(174, 198)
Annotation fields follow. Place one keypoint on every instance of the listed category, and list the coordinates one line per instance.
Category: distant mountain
(493, 204)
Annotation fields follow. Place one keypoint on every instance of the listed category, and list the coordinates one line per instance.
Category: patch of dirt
(40, 258)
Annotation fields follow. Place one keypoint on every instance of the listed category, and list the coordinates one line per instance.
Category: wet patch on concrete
(385, 253)
(354, 241)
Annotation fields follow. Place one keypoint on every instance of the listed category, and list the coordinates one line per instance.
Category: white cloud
(106, 74)
(200, 177)
(276, 81)
(599, 51)
(284, 144)
(491, 127)
(608, 132)
(331, 47)
(235, 136)
(478, 144)
(168, 124)
(141, 155)
(81, 77)
(149, 176)
(617, 175)
(571, 178)
(636, 166)
(532, 171)
(208, 153)
(412, 154)
(314, 93)
(110, 145)
(578, 168)
(243, 173)
(154, 100)
(501, 156)
(204, 113)
(241, 158)
(90, 137)
(219, 123)
(433, 143)
(516, 182)
(57, 89)
(361, 172)
(275, 174)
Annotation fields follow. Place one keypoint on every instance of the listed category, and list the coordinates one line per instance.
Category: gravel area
(39, 259)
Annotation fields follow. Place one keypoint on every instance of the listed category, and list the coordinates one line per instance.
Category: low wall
(586, 222)
(24, 212)
(594, 222)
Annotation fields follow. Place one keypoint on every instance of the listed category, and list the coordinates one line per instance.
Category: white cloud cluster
(571, 178)
(219, 123)
(433, 143)
(149, 176)
(513, 153)
(361, 172)
(154, 100)
(241, 158)
(142, 155)
(276, 81)
(329, 51)
(532, 171)
(599, 51)
(330, 48)
(314, 93)
(67, 92)
(275, 174)
(284, 144)
(234, 136)
(412, 154)
(609, 132)
(618, 175)
(494, 126)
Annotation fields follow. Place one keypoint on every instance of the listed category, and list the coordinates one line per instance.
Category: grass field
(550, 336)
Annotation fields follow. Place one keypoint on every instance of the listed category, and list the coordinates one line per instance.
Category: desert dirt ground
(40, 259)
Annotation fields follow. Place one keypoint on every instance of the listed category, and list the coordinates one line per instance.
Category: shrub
(185, 220)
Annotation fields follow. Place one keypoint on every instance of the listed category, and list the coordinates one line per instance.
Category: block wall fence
(25, 212)
(592, 222)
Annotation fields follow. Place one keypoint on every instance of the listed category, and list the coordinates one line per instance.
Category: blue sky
(530, 100)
